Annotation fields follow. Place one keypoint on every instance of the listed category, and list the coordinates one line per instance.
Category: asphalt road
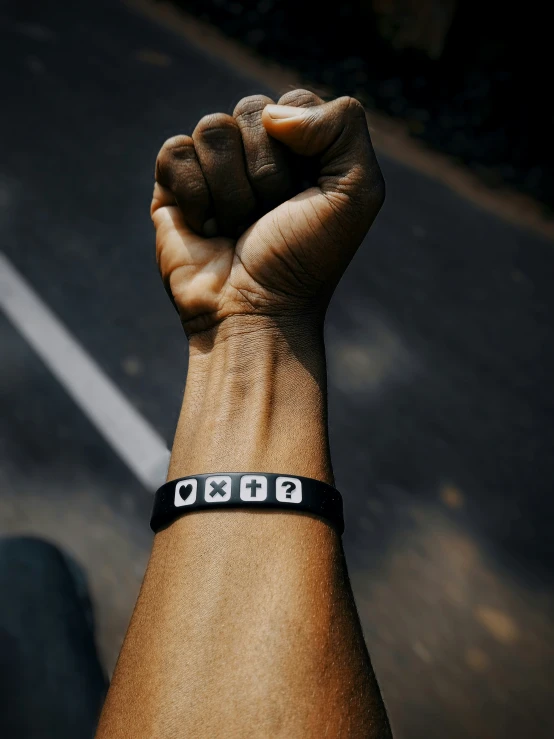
(440, 372)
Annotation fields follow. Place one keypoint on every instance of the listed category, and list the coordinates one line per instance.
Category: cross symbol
(253, 485)
(218, 488)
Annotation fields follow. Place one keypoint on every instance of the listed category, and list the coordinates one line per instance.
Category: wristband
(253, 490)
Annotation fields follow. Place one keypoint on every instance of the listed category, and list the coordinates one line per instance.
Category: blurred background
(439, 337)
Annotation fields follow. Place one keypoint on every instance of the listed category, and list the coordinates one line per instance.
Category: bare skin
(246, 625)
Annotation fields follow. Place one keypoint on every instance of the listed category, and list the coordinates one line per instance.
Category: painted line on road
(130, 435)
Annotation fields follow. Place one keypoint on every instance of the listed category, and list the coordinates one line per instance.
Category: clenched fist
(259, 213)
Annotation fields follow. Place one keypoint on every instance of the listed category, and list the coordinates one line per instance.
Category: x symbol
(218, 489)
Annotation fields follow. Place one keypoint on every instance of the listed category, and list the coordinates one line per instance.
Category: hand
(230, 239)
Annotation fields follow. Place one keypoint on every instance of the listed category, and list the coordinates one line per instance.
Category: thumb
(309, 131)
(337, 133)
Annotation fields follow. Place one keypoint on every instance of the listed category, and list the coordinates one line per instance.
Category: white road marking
(139, 445)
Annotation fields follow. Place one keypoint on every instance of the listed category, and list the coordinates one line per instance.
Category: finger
(310, 130)
(306, 171)
(178, 171)
(162, 201)
(337, 133)
(218, 145)
(266, 160)
(300, 99)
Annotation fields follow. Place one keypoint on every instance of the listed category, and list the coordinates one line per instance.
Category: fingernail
(278, 112)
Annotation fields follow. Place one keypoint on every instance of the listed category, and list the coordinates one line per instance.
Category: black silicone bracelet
(254, 490)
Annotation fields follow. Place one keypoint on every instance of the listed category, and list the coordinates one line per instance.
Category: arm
(246, 625)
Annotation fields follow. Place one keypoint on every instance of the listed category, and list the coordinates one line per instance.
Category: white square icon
(217, 489)
(185, 492)
(253, 488)
(288, 490)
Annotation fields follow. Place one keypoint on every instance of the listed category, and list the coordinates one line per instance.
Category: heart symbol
(187, 490)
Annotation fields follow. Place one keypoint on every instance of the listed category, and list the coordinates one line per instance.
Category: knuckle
(176, 149)
(215, 129)
(177, 168)
(176, 142)
(300, 98)
(250, 107)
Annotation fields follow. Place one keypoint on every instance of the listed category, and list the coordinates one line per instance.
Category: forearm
(255, 400)
(246, 625)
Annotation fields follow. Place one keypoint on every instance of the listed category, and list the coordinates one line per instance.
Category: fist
(259, 213)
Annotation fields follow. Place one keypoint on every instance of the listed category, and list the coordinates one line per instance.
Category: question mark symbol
(291, 486)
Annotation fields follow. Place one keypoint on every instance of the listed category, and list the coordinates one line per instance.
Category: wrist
(257, 363)
(255, 400)
(297, 334)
